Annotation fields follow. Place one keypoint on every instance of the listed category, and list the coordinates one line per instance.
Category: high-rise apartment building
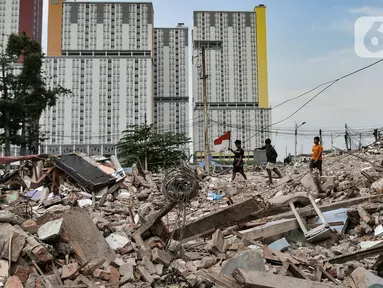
(171, 79)
(105, 56)
(237, 88)
(21, 16)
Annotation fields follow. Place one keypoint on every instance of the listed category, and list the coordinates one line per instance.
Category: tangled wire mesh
(180, 185)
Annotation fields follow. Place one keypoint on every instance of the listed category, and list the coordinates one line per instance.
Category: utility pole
(360, 141)
(296, 139)
(296, 142)
(204, 45)
(7, 134)
(346, 137)
(145, 150)
(206, 124)
(320, 136)
(376, 135)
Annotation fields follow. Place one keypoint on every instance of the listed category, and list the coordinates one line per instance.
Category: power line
(320, 92)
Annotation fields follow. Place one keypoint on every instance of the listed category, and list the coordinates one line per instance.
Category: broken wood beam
(222, 280)
(295, 271)
(111, 190)
(365, 216)
(358, 255)
(148, 224)
(271, 229)
(255, 279)
(221, 219)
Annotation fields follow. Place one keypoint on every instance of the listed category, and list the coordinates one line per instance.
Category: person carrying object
(271, 156)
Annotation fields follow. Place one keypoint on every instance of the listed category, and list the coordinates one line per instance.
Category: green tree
(26, 92)
(162, 150)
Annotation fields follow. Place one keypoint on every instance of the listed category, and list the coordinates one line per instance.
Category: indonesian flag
(222, 142)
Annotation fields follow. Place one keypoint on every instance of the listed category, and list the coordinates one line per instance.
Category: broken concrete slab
(268, 280)
(309, 183)
(365, 279)
(149, 265)
(145, 274)
(219, 242)
(300, 197)
(117, 240)
(249, 260)
(378, 186)
(52, 201)
(127, 270)
(31, 282)
(4, 270)
(17, 243)
(50, 231)
(84, 237)
(271, 229)
(217, 220)
(69, 270)
(161, 257)
(8, 217)
(13, 282)
(159, 269)
(29, 226)
(283, 181)
(22, 272)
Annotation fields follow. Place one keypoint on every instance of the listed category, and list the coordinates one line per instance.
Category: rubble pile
(81, 221)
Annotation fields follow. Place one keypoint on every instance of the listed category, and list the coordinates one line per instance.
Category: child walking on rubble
(239, 154)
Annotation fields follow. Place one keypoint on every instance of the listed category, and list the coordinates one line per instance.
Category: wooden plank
(271, 229)
(147, 225)
(255, 279)
(222, 280)
(327, 275)
(221, 219)
(358, 255)
(295, 271)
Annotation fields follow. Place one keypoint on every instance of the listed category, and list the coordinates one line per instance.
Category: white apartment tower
(236, 95)
(107, 62)
(171, 70)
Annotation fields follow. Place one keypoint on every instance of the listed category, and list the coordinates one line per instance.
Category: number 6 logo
(55, 1)
(369, 37)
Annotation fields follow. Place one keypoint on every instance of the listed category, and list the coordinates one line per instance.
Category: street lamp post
(296, 138)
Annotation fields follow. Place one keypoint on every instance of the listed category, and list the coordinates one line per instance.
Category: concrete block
(145, 274)
(29, 226)
(161, 257)
(13, 282)
(117, 240)
(50, 231)
(248, 260)
(4, 268)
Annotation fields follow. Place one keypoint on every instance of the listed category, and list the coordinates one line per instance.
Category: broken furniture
(318, 233)
(83, 172)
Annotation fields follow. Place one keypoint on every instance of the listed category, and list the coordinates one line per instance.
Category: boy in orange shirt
(316, 161)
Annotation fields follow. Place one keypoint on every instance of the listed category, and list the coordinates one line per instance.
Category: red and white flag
(222, 143)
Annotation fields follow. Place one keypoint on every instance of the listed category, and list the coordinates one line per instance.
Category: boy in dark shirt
(239, 154)
(271, 156)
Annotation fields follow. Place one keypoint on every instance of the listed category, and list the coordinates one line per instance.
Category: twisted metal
(180, 185)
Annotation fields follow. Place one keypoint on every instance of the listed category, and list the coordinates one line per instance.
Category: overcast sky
(309, 42)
